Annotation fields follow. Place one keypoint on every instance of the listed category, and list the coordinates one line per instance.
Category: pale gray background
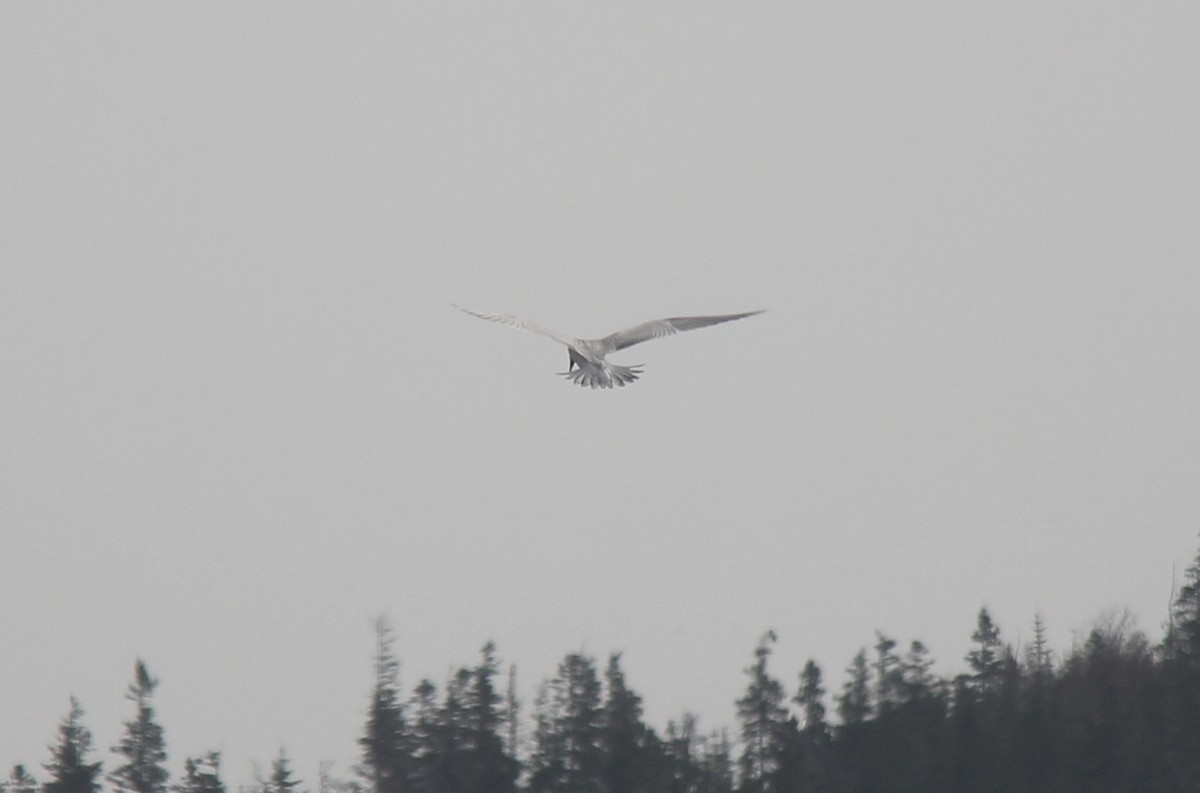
(239, 419)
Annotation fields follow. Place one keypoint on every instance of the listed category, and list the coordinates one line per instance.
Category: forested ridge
(1114, 713)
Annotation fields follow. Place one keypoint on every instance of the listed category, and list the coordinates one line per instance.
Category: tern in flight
(587, 365)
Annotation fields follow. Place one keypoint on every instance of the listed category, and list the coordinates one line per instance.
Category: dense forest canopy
(1114, 713)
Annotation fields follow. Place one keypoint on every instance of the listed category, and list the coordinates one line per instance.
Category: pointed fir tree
(888, 683)
(547, 762)
(454, 770)
(815, 736)
(201, 775)
(762, 711)
(626, 739)
(1181, 646)
(1039, 658)
(1181, 655)
(384, 764)
(583, 719)
(854, 701)
(568, 756)
(425, 734)
(493, 770)
(19, 781)
(142, 747)
(281, 779)
(986, 659)
(811, 699)
(69, 769)
(1036, 742)
(917, 681)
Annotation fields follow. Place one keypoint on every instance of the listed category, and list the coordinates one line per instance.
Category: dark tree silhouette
(888, 679)
(811, 699)
(281, 779)
(1181, 654)
(142, 746)
(696, 763)
(490, 768)
(917, 681)
(454, 769)
(854, 701)
(19, 781)
(816, 739)
(69, 769)
(768, 734)
(634, 759)
(424, 738)
(986, 658)
(1039, 659)
(568, 756)
(1182, 642)
(512, 718)
(385, 756)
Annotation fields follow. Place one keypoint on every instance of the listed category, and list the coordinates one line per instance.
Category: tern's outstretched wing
(657, 328)
(517, 322)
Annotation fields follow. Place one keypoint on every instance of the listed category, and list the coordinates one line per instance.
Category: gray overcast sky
(239, 418)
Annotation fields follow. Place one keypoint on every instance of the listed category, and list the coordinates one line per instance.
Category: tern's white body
(588, 364)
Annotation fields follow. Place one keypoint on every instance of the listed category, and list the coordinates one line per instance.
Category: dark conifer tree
(851, 738)
(69, 769)
(1039, 659)
(715, 764)
(888, 682)
(384, 765)
(548, 761)
(1182, 643)
(966, 741)
(202, 775)
(629, 746)
(985, 709)
(455, 762)
(424, 738)
(909, 734)
(19, 781)
(281, 779)
(679, 747)
(568, 756)
(1035, 744)
(811, 699)
(512, 718)
(492, 769)
(142, 747)
(917, 681)
(854, 701)
(986, 658)
(696, 763)
(1105, 691)
(1181, 673)
(815, 736)
(584, 723)
(766, 727)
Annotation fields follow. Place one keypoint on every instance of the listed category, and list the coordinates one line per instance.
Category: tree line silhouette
(1113, 714)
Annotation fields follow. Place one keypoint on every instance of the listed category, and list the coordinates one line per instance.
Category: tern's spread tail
(603, 375)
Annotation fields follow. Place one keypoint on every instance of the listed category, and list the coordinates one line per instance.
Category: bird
(587, 364)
